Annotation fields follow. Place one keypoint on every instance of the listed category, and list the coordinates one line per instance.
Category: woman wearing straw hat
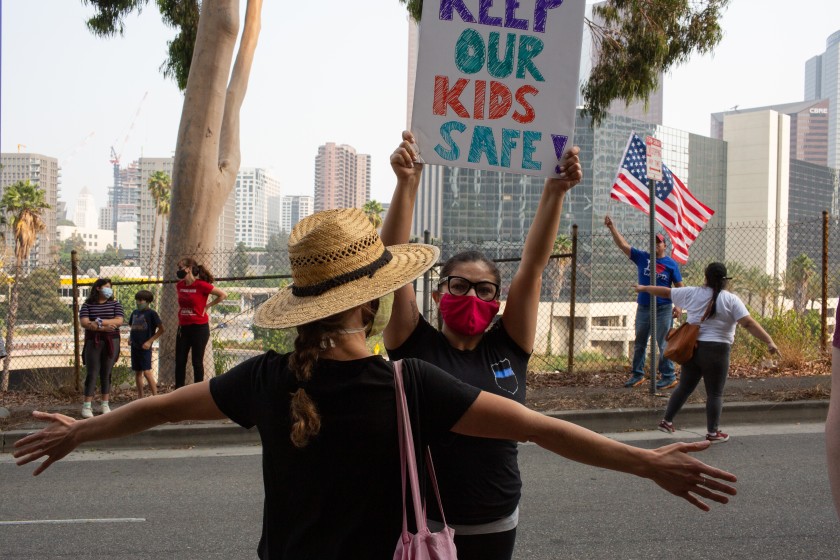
(326, 413)
(479, 478)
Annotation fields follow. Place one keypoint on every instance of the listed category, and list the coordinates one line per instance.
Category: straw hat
(339, 262)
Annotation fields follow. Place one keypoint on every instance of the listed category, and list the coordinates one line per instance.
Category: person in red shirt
(194, 288)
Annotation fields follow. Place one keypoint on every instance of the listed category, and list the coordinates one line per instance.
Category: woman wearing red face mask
(479, 479)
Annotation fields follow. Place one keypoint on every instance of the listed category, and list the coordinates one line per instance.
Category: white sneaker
(87, 412)
(105, 408)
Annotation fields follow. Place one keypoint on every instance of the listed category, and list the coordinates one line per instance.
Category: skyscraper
(342, 177)
(150, 226)
(822, 81)
(85, 213)
(808, 127)
(294, 209)
(43, 171)
(255, 188)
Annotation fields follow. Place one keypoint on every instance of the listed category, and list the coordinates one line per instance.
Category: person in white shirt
(717, 311)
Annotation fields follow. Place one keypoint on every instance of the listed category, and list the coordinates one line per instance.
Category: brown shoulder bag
(683, 340)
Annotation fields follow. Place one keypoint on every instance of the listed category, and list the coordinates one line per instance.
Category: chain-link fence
(586, 314)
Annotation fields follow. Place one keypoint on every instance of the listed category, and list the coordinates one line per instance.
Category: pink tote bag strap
(407, 456)
(431, 468)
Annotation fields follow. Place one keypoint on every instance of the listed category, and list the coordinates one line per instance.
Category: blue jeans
(664, 320)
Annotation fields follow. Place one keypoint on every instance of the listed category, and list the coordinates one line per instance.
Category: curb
(739, 413)
(618, 420)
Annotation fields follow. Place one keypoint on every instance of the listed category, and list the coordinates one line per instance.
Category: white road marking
(67, 521)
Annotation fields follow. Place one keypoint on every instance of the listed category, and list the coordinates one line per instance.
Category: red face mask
(467, 315)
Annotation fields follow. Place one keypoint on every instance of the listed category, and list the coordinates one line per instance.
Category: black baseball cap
(717, 270)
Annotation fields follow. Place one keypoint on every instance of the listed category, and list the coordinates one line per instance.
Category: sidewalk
(220, 433)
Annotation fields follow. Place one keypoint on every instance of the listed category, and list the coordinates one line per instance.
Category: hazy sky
(70, 95)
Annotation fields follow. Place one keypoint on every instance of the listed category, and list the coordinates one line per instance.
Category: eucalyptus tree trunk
(207, 152)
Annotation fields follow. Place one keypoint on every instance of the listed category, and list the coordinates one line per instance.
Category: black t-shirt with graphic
(338, 497)
(479, 478)
(144, 323)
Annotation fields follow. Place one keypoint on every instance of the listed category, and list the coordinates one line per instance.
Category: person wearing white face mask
(101, 316)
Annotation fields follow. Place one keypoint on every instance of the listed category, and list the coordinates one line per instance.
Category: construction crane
(75, 150)
(115, 161)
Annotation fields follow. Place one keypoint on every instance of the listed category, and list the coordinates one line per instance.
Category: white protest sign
(497, 83)
(653, 149)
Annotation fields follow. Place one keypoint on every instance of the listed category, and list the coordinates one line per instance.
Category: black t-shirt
(478, 478)
(338, 497)
(143, 323)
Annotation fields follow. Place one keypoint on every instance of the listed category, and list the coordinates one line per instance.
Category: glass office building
(493, 211)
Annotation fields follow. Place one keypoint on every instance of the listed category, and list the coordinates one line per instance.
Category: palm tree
(766, 286)
(162, 209)
(25, 203)
(159, 185)
(692, 273)
(797, 278)
(374, 210)
(557, 268)
(750, 285)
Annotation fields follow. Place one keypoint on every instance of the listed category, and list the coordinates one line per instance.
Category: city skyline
(109, 78)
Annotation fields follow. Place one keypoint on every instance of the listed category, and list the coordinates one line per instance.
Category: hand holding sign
(571, 172)
(405, 160)
(497, 83)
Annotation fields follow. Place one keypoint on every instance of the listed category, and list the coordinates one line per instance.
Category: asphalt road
(206, 504)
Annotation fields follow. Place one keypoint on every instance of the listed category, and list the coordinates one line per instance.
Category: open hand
(682, 475)
(53, 442)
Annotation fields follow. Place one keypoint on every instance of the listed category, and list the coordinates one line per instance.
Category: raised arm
(520, 315)
(396, 229)
(64, 434)
(619, 240)
(670, 467)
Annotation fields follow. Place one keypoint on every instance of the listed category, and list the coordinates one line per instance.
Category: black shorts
(141, 360)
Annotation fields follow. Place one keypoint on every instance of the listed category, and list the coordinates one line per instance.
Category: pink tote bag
(424, 545)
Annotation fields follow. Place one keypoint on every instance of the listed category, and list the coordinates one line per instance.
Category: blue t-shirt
(667, 274)
(143, 323)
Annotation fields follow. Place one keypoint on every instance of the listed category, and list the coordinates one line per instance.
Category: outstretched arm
(520, 316)
(658, 291)
(755, 329)
(396, 229)
(64, 434)
(671, 467)
(619, 240)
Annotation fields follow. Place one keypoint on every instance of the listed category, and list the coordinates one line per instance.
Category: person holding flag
(676, 209)
(667, 275)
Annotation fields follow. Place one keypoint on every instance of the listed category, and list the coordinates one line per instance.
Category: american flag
(677, 210)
